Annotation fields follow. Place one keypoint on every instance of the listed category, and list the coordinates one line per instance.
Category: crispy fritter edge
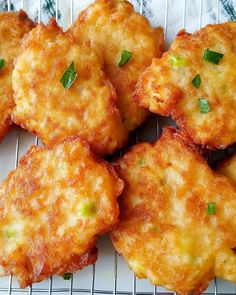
(112, 108)
(90, 256)
(167, 132)
(171, 111)
(74, 139)
(7, 125)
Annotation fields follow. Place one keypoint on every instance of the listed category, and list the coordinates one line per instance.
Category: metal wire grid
(92, 290)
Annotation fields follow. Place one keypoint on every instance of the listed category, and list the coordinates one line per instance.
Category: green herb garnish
(176, 61)
(211, 208)
(196, 81)
(204, 106)
(2, 63)
(67, 276)
(141, 162)
(212, 56)
(9, 233)
(69, 76)
(125, 57)
(155, 229)
(88, 209)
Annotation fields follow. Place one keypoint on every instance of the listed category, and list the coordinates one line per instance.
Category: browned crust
(170, 104)
(167, 186)
(226, 167)
(22, 20)
(76, 263)
(167, 132)
(132, 115)
(189, 133)
(74, 139)
(80, 262)
(104, 146)
(52, 25)
(6, 126)
(21, 15)
(21, 265)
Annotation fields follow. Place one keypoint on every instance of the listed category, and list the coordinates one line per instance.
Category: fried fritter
(52, 209)
(13, 26)
(113, 26)
(188, 84)
(228, 167)
(177, 225)
(44, 107)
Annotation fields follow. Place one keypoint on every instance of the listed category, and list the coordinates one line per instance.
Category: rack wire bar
(115, 274)
(50, 286)
(71, 284)
(92, 290)
(134, 285)
(98, 291)
(93, 280)
(10, 285)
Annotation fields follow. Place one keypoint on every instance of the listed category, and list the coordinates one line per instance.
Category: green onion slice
(141, 162)
(211, 208)
(125, 57)
(212, 56)
(88, 209)
(176, 61)
(155, 229)
(69, 76)
(67, 276)
(204, 106)
(196, 81)
(9, 233)
(2, 63)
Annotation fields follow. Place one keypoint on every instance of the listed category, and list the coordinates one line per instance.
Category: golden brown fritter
(177, 225)
(13, 26)
(113, 26)
(45, 108)
(166, 88)
(52, 209)
(228, 167)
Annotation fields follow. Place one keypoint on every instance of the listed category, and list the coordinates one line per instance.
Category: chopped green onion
(176, 61)
(212, 56)
(125, 57)
(2, 63)
(67, 276)
(9, 233)
(88, 209)
(155, 229)
(69, 76)
(196, 81)
(204, 106)
(195, 259)
(141, 162)
(211, 208)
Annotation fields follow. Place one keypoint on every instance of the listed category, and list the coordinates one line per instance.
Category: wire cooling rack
(110, 274)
